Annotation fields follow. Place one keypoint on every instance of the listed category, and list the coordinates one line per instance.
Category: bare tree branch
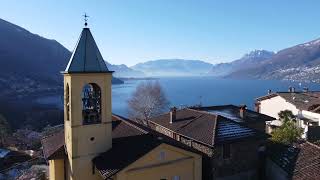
(147, 100)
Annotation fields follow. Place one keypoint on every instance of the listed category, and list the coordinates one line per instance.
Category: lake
(186, 91)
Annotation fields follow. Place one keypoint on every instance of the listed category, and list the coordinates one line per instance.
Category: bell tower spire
(87, 106)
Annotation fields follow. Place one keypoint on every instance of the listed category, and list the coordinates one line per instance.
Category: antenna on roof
(200, 101)
(85, 19)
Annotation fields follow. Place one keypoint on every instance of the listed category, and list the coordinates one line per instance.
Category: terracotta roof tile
(301, 161)
(232, 112)
(130, 141)
(204, 127)
(53, 145)
(124, 151)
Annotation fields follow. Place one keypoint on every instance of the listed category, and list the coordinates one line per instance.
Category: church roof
(86, 57)
(130, 141)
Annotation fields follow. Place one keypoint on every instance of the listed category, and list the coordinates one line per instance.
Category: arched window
(67, 100)
(91, 104)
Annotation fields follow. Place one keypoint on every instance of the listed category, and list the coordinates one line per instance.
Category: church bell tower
(87, 108)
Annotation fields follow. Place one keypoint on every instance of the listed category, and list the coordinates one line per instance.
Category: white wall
(273, 106)
(312, 115)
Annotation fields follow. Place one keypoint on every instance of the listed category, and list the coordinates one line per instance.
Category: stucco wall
(84, 142)
(276, 104)
(312, 115)
(176, 162)
(83, 169)
(273, 106)
(56, 169)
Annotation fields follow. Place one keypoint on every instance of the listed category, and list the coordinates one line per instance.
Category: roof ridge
(129, 122)
(314, 145)
(201, 111)
(214, 129)
(267, 96)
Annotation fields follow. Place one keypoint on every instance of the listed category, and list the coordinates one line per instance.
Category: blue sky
(133, 31)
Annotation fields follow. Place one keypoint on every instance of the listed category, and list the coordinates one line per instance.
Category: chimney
(305, 89)
(173, 114)
(243, 109)
(269, 91)
(291, 89)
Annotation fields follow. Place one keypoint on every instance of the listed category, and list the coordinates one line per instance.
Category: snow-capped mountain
(300, 63)
(250, 59)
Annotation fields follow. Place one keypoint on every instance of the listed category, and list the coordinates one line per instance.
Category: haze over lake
(206, 90)
(185, 91)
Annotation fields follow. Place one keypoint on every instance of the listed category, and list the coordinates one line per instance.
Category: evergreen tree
(288, 132)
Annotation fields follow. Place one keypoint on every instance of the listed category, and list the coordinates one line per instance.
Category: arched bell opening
(91, 104)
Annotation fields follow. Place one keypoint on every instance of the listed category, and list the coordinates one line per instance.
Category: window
(67, 101)
(176, 178)
(162, 155)
(91, 104)
(226, 151)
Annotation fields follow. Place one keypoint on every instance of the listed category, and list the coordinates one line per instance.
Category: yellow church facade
(94, 144)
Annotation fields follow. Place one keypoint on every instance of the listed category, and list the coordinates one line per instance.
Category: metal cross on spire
(85, 19)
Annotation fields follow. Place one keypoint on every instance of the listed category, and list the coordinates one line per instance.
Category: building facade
(304, 105)
(232, 138)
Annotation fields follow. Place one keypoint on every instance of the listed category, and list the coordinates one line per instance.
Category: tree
(288, 132)
(4, 129)
(148, 100)
(286, 116)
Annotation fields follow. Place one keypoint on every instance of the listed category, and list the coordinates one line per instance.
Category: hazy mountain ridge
(123, 71)
(251, 59)
(30, 63)
(297, 63)
(173, 67)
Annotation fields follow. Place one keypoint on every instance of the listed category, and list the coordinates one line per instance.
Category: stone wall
(243, 162)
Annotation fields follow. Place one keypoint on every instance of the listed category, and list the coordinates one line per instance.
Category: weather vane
(85, 19)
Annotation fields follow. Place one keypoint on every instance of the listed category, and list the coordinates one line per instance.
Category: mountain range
(123, 71)
(30, 66)
(251, 59)
(297, 63)
(173, 67)
(30, 63)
